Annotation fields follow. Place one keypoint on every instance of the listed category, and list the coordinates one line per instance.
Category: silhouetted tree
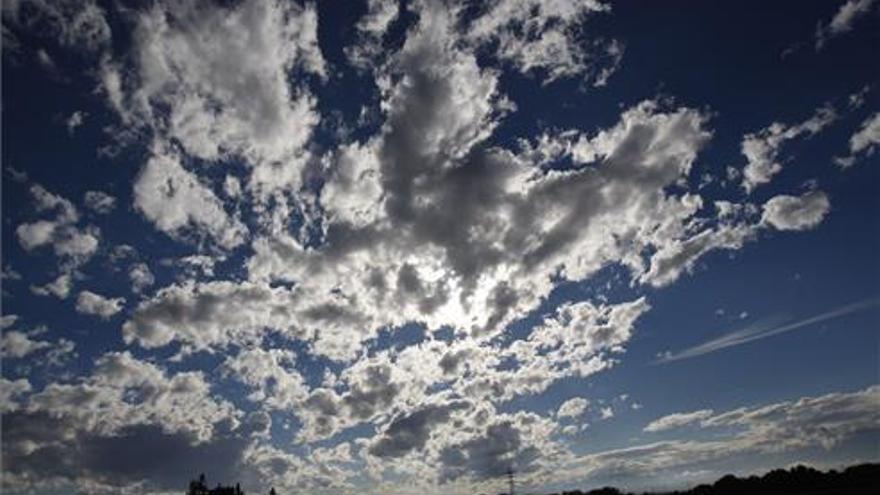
(607, 490)
(801, 480)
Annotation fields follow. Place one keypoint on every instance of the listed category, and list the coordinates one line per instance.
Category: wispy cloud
(766, 328)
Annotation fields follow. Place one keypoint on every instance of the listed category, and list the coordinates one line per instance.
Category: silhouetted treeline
(801, 480)
(200, 487)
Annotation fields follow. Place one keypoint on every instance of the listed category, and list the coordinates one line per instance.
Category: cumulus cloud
(306, 254)
(539, 36)
(802, 212)
(15, 344)
(676, 257)
(7, 321)
(99, 202)
(572, 408)
(762, 148)
(10, 390)
(78, 24)
(489, 451)
(175, 200)
(411, 431)
(141, 277)
(77, 427)
(60, 287)
(22, 344)
(390, 254)
(178, 403)
(272, 375)
(226, 95)
(73, 244)
(90, 303)
(470, 265)
(371, 29)
(215, 313)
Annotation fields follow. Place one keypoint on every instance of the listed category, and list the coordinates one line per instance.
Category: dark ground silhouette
(801, 480)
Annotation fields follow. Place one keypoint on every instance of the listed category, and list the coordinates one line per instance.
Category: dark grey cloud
(490, 455)
(410, 431)
(144, 453)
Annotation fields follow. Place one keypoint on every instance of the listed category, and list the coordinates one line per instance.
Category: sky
(382, 247)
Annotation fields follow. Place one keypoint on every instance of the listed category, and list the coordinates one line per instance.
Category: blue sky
(405, 247)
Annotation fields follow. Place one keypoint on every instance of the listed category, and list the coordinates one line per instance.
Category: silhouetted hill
(801, 480)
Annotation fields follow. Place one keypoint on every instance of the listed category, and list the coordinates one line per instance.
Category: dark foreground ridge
(801, 480)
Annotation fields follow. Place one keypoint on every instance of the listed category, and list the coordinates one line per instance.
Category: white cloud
(477, 266)
(61, 351)
(863, 142)
(573, 407)
(15, 344)
(802, 212)
(74, 23)
(536, 36)
(570, 430)
(99, 202)
(195, 266)
(175, 200)
(60, 287)
(677, 420)
(843, 20)
(214, 313)
(141, 277)
(868, 136)
(822, 421)
(46, 200)
(9, 274)
(676, 257)
(232, 186)
(73, 244)
(371, 28)
(48, 63)
(272, 375)
(762, 148)
(425, 222)
(614, 51)
(10, 390)
(353, 191)
(227, 95)
(75, 120)
(77, 244)
(94, 304)
(36, 234)
(7, 321)
(123, 391)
